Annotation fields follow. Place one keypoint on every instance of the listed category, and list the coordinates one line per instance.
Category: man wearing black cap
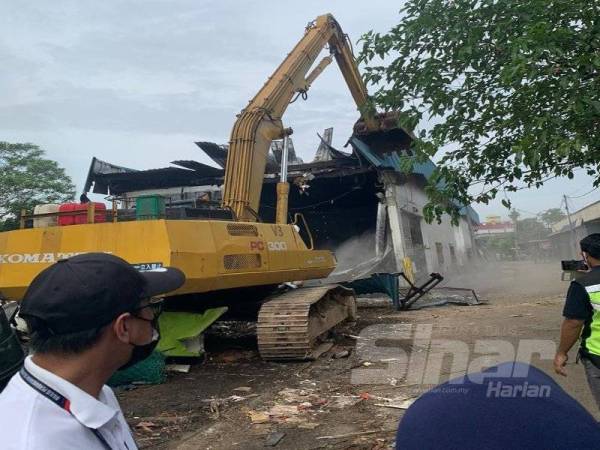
(88, 316)
(582, 317)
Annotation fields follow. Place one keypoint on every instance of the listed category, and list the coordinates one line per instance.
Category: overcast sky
(135, 83)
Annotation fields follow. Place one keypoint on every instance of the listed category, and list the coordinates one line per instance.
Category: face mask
(141, 352)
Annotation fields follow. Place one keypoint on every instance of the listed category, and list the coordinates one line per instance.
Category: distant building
(496, 239)
(493, 228)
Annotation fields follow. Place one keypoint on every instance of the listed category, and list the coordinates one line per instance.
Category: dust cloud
(355, 251)
(510, 279)
(489, 278)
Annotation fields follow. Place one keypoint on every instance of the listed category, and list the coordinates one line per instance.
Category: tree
(502, 245)
(514, 215)
(28, 179)
(531, 229)
(510, 89)
(551, 216)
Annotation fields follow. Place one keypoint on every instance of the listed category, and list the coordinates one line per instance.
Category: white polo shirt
(30, 421)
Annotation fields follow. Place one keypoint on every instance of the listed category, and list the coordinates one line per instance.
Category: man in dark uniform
(582, 317)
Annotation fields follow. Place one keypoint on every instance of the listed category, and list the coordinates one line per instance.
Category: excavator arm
(260, 122)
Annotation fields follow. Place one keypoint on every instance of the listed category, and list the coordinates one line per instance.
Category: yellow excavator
(228, 261)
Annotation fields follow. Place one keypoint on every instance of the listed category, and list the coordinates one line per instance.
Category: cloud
(136, 82)
(159, 67)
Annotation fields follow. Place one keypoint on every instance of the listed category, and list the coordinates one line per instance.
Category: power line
(582, 195)
(578, 190)
(528, 212)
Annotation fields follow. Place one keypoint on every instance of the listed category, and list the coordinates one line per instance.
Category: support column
(380, 229)
(393, 214)
(283, 187)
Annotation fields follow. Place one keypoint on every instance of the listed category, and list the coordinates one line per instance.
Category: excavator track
(289, 325)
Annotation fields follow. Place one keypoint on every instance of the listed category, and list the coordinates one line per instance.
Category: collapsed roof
(104, 177)
(368, 155)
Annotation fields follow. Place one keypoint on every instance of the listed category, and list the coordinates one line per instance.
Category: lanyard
(57, 399)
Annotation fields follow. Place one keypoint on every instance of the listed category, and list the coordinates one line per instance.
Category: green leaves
(28, 179)
(512, 89)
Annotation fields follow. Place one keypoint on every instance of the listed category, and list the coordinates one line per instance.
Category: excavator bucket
(387, 137)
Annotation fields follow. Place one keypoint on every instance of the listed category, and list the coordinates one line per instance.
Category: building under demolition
(358, 202)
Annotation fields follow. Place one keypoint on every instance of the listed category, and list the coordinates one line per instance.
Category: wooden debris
(215, 413)
(181, 368)
(243, 389)
(166, 419)
(146, 426)
(309, 425)
(404, 405)
(258, 417)
(347, 435)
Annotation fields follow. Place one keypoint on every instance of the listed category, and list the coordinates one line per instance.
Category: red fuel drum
(78, 213)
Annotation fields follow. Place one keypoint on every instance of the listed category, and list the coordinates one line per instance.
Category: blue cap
(509, 406)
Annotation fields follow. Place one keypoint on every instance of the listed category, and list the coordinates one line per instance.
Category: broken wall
(433, 247)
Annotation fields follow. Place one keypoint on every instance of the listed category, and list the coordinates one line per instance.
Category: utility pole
(571, 228)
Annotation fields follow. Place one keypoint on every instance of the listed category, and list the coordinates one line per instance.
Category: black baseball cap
(91, 289)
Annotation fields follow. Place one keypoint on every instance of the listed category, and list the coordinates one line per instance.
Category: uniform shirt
(30, 421)
(578, 306)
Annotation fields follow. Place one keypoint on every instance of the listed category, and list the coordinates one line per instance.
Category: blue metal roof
(392, 160)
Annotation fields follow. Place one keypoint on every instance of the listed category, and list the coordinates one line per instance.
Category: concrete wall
(586, 214)
(566, 244)
(410, 199)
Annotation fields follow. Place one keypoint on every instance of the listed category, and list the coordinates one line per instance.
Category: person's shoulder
(577, 288)
(36, 423)
(18, 395)
(589, 278)
(17, 412)
(109, 397)
(52, 428)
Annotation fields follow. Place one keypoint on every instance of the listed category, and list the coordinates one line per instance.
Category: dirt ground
(236, 400)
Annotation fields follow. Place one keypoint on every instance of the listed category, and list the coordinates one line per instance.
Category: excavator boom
(260, 122)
